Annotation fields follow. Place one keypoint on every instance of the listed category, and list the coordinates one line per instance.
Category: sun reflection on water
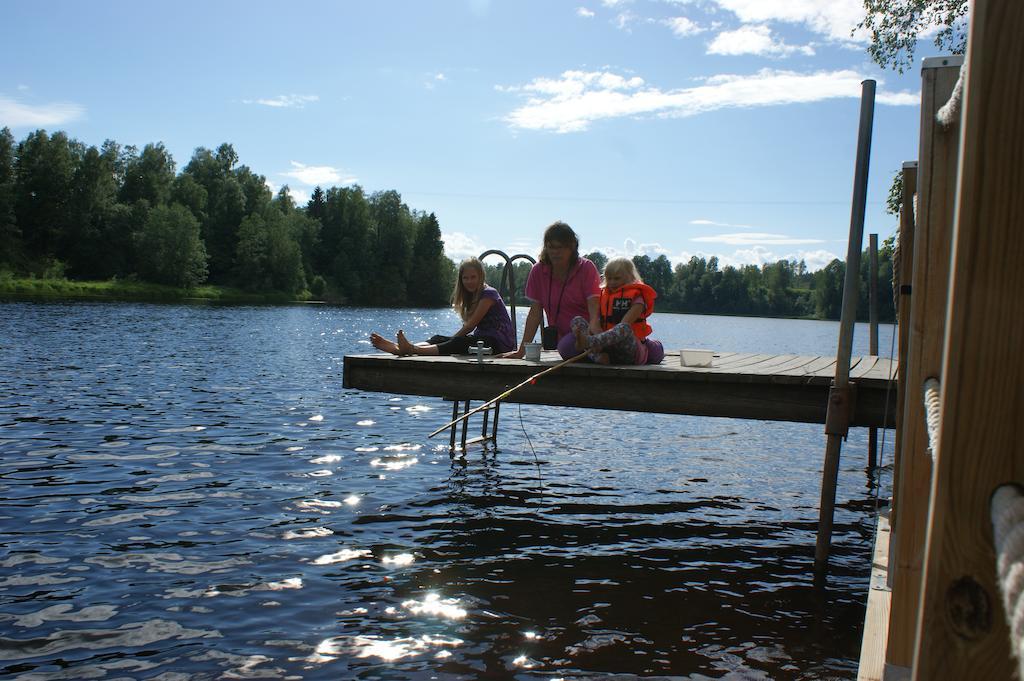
(387, 650)
(433, 604)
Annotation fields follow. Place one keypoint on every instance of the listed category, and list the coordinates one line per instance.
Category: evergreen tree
(428, 280)
(225, 206)
(91, 252)
(10, 235)
(828, 290)
(44, 172)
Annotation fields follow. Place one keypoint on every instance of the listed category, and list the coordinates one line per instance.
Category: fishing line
(540, 478)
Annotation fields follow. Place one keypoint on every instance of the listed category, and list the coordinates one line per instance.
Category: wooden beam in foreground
(963, 632)
(936, 192)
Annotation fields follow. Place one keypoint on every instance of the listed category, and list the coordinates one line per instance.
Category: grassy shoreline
(137, 291)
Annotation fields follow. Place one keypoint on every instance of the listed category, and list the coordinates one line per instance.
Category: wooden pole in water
(873, 334)
(837, 417)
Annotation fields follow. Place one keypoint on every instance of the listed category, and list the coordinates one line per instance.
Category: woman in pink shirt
(562, 285)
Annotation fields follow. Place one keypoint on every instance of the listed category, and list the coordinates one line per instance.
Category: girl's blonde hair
(463, 301)
(622, 267)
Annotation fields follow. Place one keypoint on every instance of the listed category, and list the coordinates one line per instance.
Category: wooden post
(936, 192)
(963, 632)
(906, 275)
(906, 229)
(837, 420)
(873, 333)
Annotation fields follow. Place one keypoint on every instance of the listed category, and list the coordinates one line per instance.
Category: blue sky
(683, 127)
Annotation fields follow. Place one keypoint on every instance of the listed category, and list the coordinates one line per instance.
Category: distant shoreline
(135, 291)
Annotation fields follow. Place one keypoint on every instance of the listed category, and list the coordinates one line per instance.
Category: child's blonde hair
(622, 267)
(462, 300)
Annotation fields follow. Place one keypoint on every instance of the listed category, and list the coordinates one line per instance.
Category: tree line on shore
(77, 211)
(87, 213)
(781, 289)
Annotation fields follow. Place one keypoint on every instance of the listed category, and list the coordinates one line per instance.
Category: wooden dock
(738, 385)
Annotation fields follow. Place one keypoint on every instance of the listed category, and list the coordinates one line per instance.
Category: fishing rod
(531, 379)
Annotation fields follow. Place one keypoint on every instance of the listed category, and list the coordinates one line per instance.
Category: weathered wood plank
(748, 391)
(876, 616)
(863, 367)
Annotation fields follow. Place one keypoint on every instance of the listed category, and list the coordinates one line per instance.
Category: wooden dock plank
(753, 386)
(876, 616)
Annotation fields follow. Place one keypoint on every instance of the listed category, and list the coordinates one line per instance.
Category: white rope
(1008, 532)
(932, 413)
(949, 114)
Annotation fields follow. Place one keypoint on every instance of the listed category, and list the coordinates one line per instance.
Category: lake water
(187, 492)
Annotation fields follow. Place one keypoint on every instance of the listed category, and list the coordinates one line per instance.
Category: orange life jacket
(615, 304)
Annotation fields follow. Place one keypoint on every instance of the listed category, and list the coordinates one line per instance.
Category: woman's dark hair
(561, 233)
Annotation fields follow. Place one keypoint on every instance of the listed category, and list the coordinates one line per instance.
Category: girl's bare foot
(404, 345)
(381, 343)
(582, 339)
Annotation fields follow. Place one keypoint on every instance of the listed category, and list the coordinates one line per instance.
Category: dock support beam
(839, 397)
(873, 338)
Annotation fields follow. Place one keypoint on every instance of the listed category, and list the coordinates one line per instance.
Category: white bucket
(696, 358)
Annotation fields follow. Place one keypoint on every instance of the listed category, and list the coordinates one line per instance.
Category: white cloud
(751, 238)
(815, 260)
(285, 101)
(631, 247)
(759, 255)
(755, 255)
(433, 80)
(716, 224)
(15, 114)
(753, 39)
(898, 98)
(683, 27)
(623, 20)
(584, 12)
(459, 245)
(576, 99)
(299, 196)
(318, 175)
(834, 19)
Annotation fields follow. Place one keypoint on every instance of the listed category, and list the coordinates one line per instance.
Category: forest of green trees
(73, 211)
(781, 289)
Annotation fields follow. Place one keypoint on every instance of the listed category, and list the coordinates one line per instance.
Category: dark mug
(549, 337)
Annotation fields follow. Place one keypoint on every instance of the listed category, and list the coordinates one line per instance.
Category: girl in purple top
(561, 286)
(484, 317)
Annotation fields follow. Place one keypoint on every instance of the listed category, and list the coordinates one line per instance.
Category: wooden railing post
(906, 276)
(936, 191)
(963, 632)
(873, 333)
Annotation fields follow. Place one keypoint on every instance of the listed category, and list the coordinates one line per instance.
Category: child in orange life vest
(626, 302)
